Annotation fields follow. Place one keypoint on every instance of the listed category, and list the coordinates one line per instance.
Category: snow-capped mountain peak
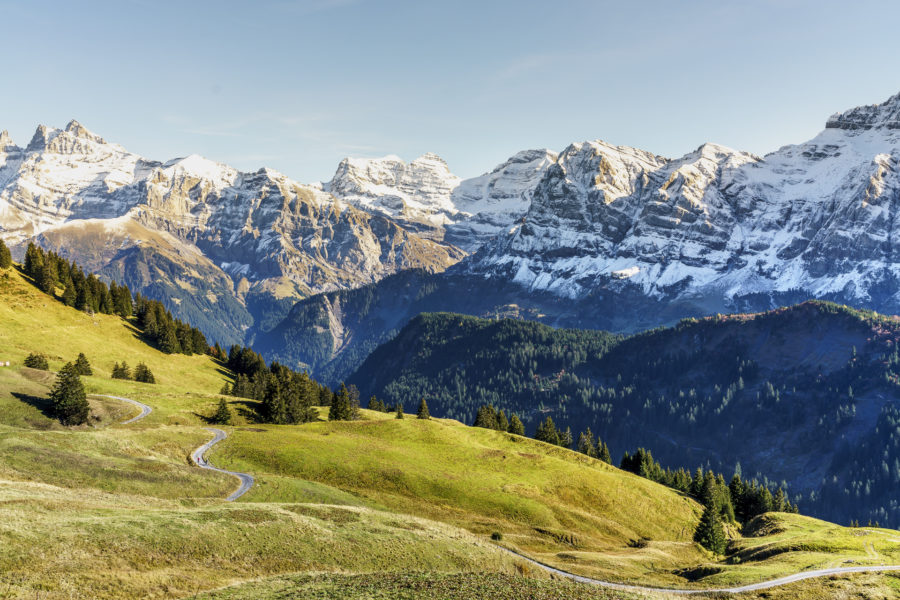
(884, 115)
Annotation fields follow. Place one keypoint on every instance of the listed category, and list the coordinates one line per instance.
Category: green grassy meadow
(375, 508)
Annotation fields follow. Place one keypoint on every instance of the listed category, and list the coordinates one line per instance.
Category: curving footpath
(200, 460)
(145, 410)
(682, 592)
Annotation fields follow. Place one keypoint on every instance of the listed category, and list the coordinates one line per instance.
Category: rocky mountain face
(600, 236)
(728, 228)
(427, 198)
(199, 234)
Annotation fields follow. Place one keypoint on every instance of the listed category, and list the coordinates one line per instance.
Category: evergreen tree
(399, 410)
(82, 366)
(546, 432)
(143, 374)
(46, 280)
(565, 438)
(223, 414)
(121, 371)
(68, 397)
(586, 443)
(515, 425)
(603, 453)
(69, 295)
(168, 341)
(34, 260)
(710, 534)
(486, 417)
(502, 421)
(5, 256)
(37, 361)
(340, 405)
(423, 413)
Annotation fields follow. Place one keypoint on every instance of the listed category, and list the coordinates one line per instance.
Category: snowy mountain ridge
(817, 219)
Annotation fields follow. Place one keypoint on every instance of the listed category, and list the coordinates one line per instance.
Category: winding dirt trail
(199, 458)
(682, 592)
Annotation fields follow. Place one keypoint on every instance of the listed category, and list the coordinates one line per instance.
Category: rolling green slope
(107, 510)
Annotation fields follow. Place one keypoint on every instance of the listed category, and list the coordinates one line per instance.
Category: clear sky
(299, 85)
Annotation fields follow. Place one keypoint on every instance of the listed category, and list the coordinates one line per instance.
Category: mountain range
(598, 236)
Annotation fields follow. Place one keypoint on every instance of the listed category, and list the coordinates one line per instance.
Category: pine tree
(603, 453)
(546, 432)
(515, 425)
(69, 295)
(82, 366)
(121, 371)
(340, 405)
(68, 397)
(486, 417)
(45, 280)
(33, 260)
(586, 443)
(502, 421)
(778, 502)
(37, 361)
(5, 256)
(223, 414)
(565, 438)
(143, 374)
(399, 410)
(423, 413)
(710, 534)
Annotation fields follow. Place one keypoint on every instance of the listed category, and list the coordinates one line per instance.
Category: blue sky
(298, 85)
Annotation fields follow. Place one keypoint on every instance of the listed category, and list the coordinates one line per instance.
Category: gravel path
(734, 590)
(198, 457)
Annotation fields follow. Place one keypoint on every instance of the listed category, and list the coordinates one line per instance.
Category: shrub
(496, 536)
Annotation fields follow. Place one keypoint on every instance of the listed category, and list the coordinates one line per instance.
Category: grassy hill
(815, 384)
(117, 511)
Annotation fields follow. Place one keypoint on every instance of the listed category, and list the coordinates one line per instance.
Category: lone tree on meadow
(223, 414)
(423, 413)
(82, 366)
(399, 413)
(68, 397)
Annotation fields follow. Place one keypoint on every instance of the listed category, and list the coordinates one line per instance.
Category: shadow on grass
(42, 404)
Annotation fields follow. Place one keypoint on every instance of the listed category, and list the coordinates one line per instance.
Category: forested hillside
(807, 394)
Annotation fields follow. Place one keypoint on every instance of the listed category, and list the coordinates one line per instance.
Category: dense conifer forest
(816, 385)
